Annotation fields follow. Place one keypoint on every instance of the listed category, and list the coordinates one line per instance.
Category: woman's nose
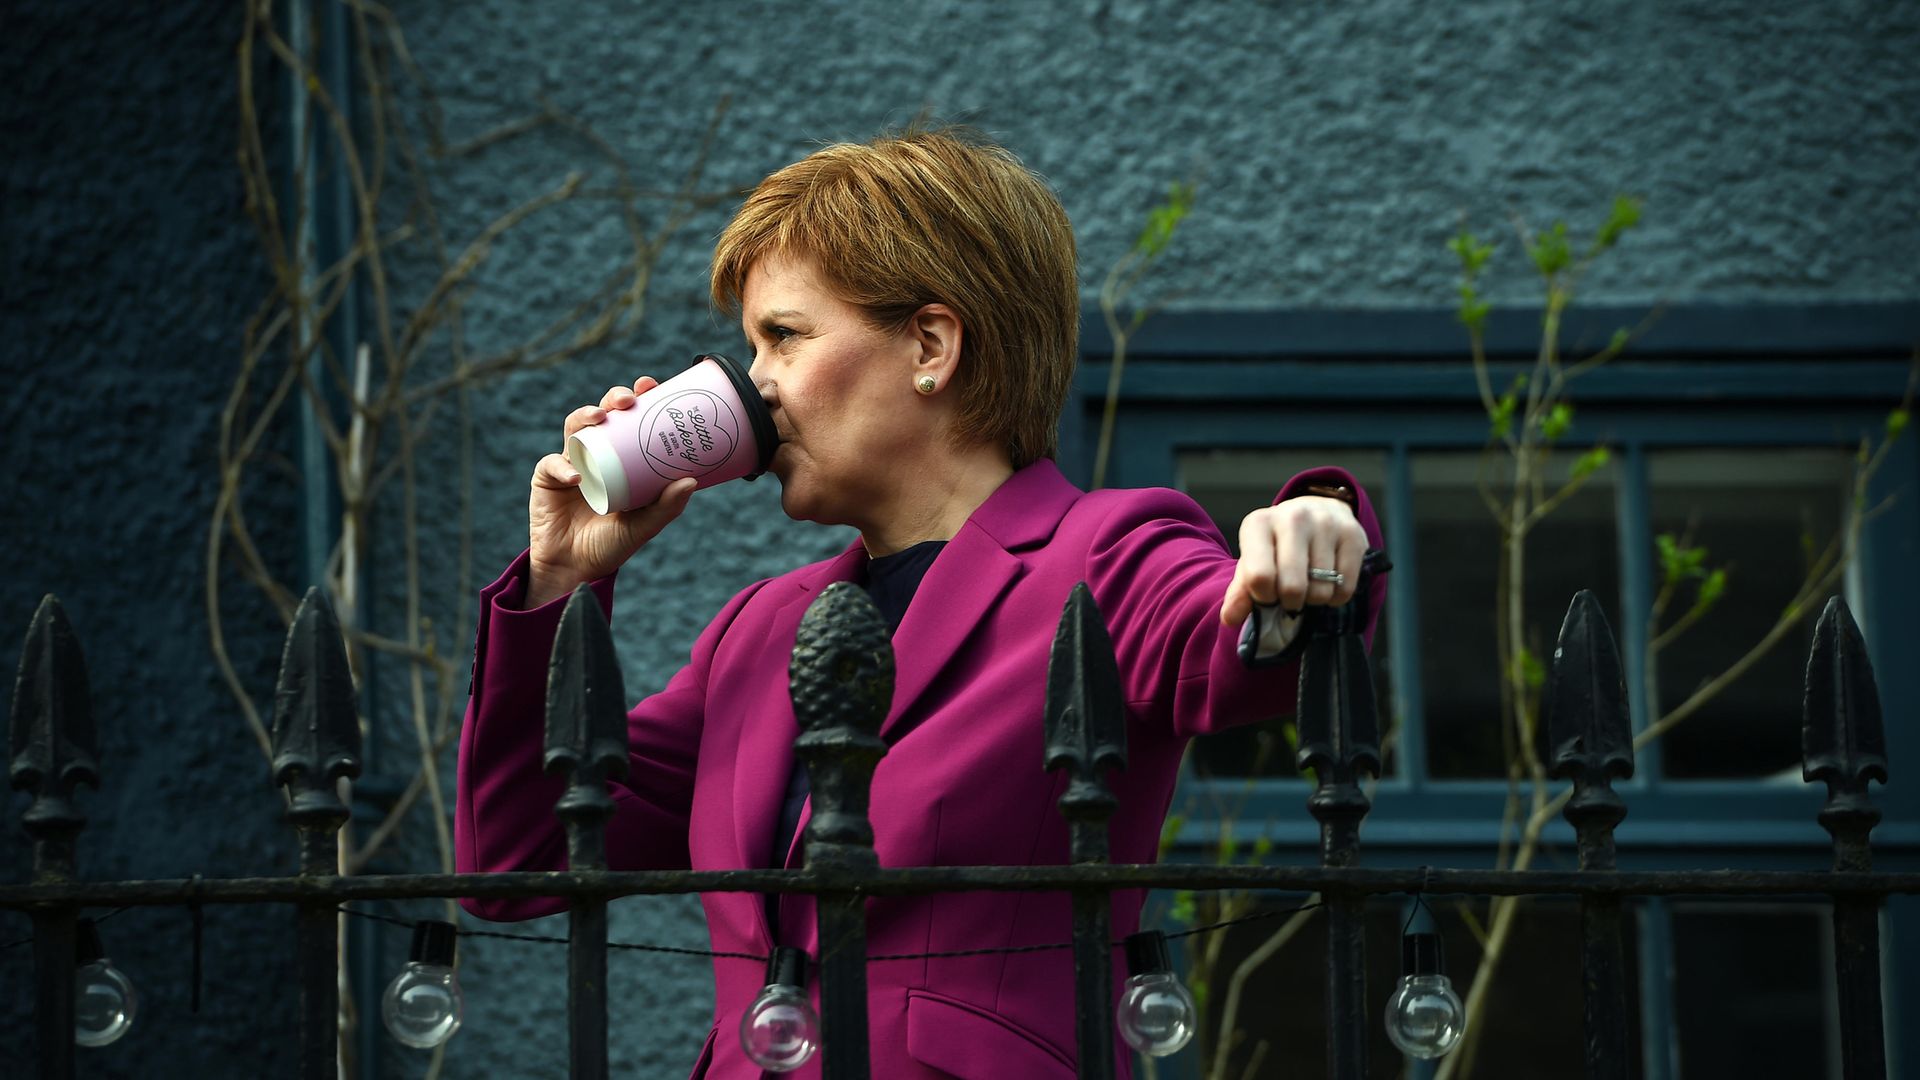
(763, 381)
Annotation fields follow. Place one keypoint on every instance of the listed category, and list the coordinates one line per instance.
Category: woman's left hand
(1277, 546)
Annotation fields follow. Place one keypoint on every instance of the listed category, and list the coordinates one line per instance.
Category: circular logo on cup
(691, 433)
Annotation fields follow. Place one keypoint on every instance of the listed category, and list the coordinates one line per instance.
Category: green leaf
(1262, 848)
(1551, 251)
(1471, 308)
(1694, 561)
(1591, 461)
(1199, 991)
(1162, 220)
(1557, 421)
(1712, 589)
(1620, 339)
(1669, 550)
(1528, 667)
(1625, 215)
(1502, 415)
(1473, 254)
(1227, 846)
(1170, 831)
(1182, 910)
(1896, 423)
(1678, 562)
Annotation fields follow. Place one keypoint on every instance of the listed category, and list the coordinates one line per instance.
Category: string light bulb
(104, 1001)
(781, 1031)
(1156, 1014)
(423, 1004)
(1424, 1016)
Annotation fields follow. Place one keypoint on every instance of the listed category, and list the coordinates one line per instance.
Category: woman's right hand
(568, 543)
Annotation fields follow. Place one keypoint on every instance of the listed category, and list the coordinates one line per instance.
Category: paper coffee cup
(707, 422)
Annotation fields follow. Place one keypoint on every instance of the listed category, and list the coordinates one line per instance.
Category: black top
(891, 582)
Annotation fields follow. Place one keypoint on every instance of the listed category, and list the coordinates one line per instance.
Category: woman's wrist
(546, 586)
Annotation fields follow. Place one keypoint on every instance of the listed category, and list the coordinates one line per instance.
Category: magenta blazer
(962, 782)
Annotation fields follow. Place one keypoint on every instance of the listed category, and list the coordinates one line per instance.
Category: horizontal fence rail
(841, 672)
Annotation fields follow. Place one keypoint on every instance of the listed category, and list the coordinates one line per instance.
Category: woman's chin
(794, 501)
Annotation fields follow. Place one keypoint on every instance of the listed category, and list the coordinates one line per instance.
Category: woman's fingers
(1255, 573)
(1320, 547)
(1280, 544)
(584, 416)
(644, 523)
(555, 473)
(618, 397)
(1351, 550)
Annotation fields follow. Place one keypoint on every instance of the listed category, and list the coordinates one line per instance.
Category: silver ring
(1332, 577)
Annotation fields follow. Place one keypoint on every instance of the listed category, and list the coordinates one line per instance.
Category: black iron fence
(842, 676)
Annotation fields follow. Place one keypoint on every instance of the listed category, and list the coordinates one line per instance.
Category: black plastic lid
(766, 438)
(1421, 954)
(1147, 952)
(86, 943)
(787, 967)
(433, 942)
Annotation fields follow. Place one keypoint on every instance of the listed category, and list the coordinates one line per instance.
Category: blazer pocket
(972, 1043)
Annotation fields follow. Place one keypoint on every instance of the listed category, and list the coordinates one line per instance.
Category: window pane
(1532, 1021)
(1762, 515)
(1751, 992)
(1229, 484)
(1458, 545)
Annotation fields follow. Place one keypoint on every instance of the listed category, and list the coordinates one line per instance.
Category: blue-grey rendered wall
(127, 269)
(1336, 148)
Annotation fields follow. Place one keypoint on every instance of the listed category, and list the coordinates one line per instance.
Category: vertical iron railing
(1339, 728)
(1844, 744)
(1592, 735)
(586, 742)
(1086, 736)
(53, 752)
(841, 679)
(842, 686)
(316, 744)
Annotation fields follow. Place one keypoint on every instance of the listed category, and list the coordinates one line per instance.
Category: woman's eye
(780, 333)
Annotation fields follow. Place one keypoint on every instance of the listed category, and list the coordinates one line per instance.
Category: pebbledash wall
(1335, 148)
(126, 271)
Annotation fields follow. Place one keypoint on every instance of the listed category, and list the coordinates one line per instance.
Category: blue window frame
(1397, 388)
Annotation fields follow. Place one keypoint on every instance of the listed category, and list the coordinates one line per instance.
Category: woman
(912, 308)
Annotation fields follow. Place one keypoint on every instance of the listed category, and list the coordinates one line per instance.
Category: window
(1750, 461)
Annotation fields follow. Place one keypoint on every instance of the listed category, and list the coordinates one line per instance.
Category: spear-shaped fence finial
(586, 725)
(1587, 719)
(1086, 722)
(1086, 736)
(1586, 705)
(316, 724)
(52, 740)
(1843, 740)
(316, 742)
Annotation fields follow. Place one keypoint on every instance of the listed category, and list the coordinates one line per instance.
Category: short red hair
(934, 216)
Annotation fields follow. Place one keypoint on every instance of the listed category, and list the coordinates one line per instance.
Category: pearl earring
(926, 384)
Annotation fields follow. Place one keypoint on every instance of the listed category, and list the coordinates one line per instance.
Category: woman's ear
(936, 333)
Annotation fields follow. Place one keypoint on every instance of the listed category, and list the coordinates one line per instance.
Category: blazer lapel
(969, 576)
